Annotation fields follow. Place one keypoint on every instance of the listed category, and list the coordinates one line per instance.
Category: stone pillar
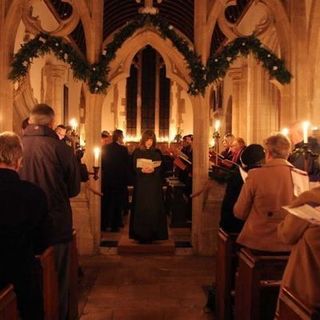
(202, 223)
(90, 236)
(157, 99)
(139, 97)
(55, 76)
(236, 75)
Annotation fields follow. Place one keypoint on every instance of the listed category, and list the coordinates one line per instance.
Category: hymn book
(308, 211)
(146, 163)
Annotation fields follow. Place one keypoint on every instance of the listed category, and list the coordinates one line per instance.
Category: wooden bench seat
(8, 304)
(292, 308)
(257, 284)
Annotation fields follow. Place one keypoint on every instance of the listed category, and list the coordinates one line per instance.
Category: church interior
(203, 69)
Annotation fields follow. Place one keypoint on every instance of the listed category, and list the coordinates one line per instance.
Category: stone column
(55, 79)
(236, 75)
(202, 224)
(139, 97)
(157, 99)
(90, 236)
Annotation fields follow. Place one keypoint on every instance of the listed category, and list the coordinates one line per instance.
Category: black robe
(148, 220)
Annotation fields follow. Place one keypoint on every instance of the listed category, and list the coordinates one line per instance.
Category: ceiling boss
(148, 7)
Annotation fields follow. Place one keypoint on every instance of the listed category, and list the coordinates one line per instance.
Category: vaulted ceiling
(180, 13)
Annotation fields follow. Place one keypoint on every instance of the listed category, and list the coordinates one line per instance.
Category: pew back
(291, 308)
(226, 265)
(257, 284)
(8, 304)
(73, 271)
(50, 285)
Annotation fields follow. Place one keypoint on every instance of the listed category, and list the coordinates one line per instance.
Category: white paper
(300, 181)
(306, 212)
(243, 173)
(144, 163)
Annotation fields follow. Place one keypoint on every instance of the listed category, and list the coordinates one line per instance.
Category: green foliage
(219, 63)
(96, 75)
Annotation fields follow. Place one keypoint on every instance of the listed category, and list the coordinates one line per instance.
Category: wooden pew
(50, 285)
(291, 308)
(225, 273)
(257, 284)
(8, 304)
(73, 272)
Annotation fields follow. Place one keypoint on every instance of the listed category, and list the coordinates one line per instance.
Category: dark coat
(51, 164)
(25, 230)
(115, 166)
(148, 220)
(228, 221)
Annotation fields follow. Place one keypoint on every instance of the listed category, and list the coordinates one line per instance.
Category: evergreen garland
(95, 75)
(41, 45)
(219, 63)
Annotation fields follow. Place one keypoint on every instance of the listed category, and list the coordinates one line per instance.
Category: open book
(309, 212)
(145, 163)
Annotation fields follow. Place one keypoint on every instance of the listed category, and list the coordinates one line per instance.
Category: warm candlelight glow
(285, 131)
(74, 124)
(217, 125)
(96, 152)
(305, 127)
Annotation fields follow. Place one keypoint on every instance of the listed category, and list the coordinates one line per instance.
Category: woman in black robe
(148, 220)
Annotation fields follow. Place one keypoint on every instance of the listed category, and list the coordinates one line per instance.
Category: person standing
(302, 273)
(115, 172)
(51, 164)
(24, 230)
(264, 192)
(148, 220)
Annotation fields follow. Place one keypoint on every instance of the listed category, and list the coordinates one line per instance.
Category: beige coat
(302, 274)
(263, 194)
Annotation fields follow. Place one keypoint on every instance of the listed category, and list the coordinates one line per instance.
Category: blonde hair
(10, 148)
(278, 146)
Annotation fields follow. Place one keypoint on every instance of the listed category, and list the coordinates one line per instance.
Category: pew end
(292, 308)
(8, 304)
(258, 283)
(227, 261)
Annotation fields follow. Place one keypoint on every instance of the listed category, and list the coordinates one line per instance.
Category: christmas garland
(95, 75)
(219, 63)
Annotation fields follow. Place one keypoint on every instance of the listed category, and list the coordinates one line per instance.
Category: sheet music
(243, 174)
(143, 163)
(300, 181)
(306, 212)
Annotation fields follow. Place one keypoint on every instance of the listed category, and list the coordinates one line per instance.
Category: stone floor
(145, 287)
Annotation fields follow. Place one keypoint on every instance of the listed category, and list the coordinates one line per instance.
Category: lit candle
(74, 124)
(305, 127)
(217, 125)
(96, 152)
(285, 131)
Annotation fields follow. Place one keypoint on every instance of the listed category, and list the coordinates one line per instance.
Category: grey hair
(41, 114)
(278, 145)
(10, 148)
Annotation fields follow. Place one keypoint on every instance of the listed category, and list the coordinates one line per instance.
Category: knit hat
(251, 155)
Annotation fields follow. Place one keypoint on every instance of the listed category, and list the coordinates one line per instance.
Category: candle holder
(216, 137)
(95, 173)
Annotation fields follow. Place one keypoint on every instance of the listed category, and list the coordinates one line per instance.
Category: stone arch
(175, 65)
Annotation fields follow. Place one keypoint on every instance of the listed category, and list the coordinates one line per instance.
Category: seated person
(263, 194)
(24, 230)
(302, 274)
(252, 157)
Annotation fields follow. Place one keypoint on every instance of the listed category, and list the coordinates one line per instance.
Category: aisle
(141, 287)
